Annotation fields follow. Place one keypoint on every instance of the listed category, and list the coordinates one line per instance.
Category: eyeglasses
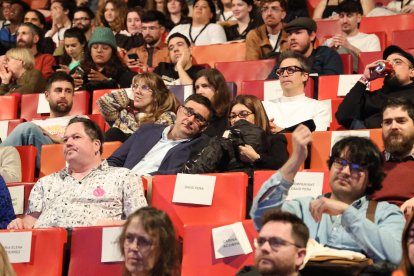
(143, 243)
(289, 69)
(398, 61)
(270, 9)
(188, 111)
(144, 88)
(274, 242)
(354, 169)
(242, 115)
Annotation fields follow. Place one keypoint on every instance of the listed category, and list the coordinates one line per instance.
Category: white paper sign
(4, 127)
(194, 189)
(230, 240)
(306, 184)
(18, 245)
(188, 91)
(346, 82)
(110, 246)
(339, 135)
(17, 196)
(272, 90)
(43, 104)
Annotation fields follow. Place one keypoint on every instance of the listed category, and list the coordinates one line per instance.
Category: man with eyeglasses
(159, 149)
(346, 218)
(362, 108)
(154, 50)
(301, 34)
(280, 246)
(293, 107)
(398, 137)
(83, 19)
(268, 39)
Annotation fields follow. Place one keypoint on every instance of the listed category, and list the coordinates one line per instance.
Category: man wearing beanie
(101, 67)
(301, 38)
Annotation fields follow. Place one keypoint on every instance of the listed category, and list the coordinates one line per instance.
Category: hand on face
(324, 205)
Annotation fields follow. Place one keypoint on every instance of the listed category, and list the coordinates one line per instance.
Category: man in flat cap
(301, 38)
(363, 109)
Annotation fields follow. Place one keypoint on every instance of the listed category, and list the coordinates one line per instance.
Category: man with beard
(346, 218)
(83, 19)
(154, 50)
(28, 36)
(398, 136)
(268, 39)
(280, 246)
(59, 93)
(301, 37)
(8, 32)
(362, 108)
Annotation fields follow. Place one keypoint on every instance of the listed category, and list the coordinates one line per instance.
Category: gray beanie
(103, 35)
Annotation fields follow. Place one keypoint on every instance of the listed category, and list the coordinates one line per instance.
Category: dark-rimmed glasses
(188, 111)
(289, 69)
(242, 115)
(274, 242)
(341, 163)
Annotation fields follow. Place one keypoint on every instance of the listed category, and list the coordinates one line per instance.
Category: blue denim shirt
(351, 230)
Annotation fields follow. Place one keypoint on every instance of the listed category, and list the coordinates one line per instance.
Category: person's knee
(26, 128)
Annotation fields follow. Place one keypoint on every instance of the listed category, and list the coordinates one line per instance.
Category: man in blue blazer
(160, 149)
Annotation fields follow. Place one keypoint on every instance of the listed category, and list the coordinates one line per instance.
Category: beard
(392, 82)
(282, 268)
(60, 108)
(398, 144)
(24, 44)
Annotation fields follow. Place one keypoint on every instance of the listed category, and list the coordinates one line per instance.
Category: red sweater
(44, 63)
(398, 185)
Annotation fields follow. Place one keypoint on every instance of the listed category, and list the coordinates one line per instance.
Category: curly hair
(119, 22)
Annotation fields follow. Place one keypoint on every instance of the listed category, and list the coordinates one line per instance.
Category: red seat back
(211, 54)
(238, 71)
(28, 161)
(95, 96)
(9, 107)
(347, 63)
(403, 38)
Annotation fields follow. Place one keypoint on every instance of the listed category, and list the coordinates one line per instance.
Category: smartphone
(133, 56)
(80, 71)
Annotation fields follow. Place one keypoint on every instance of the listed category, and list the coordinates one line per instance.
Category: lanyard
(191, 37)
(277, 41)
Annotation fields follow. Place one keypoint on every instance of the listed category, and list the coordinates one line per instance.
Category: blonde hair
(22, 54)
(5, 267)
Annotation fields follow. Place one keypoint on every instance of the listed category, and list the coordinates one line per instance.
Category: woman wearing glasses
(148, 244)
(152, 103)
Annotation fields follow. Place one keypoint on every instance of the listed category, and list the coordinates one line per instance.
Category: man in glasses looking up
(362, 108)
(160, 149)
(280, 246)
(294, 107)
(344, 218)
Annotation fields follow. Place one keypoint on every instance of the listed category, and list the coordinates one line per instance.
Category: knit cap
(103, 35)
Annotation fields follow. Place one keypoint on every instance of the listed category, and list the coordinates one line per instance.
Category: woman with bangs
(152, 103)
(149, 245)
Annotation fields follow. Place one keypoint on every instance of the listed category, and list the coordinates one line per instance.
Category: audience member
(10, 164)
(84, 20)
(59, 94)
(224, 12)
(61, 12)
(152, 103)
(5, 12)
(101, 67)
(329, 8)
(160, 149)
(181, 69)
(29, 36)
(203, 29)
(362, 108)
(211, 84)
(280, 246)
(407, 261)
(301, 36)
(398, 136)
(8, 33)
(268, 39)
(5, 265)
(154, 50)
(74, 43)
(176, 13)
(294, 107)
(46, 44)
(112, 15)
(131, 37)
(6, 210)
(295, 9)
(350, 40)
(85, 192)
(36, 18)
(339, 219)
(148, 235)
(244, 12)
(17, 73)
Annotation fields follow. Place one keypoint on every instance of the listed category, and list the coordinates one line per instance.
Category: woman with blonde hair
(17, 73)
(152, 103)
(5, 267)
